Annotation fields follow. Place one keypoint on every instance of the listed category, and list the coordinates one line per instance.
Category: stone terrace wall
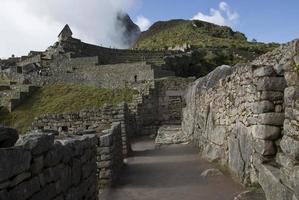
(236, 116)
(43, 168)
(89, 121)
(112, 56)
(161, 105)
(109, 156)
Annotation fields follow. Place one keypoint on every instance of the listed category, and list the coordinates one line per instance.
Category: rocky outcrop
(131, 31)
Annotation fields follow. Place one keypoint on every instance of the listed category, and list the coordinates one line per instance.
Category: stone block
(271, 84)
(264, 147)
(106, 140)
(37, 142)
(13, 162)
(25, 189)
(290, 147)
(290, 129)
(270, 182)
(295, 179)
(271, 95)
(54, 156)
(37, 165)
(290, 95)
(20, 178)
(265, 132)
(275, 119)
(264, 71)
(262, 107)
(292, 78)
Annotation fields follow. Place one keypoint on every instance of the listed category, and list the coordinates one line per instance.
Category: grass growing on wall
(4, 80)
(56, 99)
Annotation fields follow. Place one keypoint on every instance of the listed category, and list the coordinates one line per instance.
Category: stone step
(171, 134)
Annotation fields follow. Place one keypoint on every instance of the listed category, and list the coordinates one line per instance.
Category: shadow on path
(171, 172)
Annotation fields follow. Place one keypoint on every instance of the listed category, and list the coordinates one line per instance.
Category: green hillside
(61, 99)
(199, 34)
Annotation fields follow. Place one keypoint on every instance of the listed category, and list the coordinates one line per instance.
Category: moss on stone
(62, 99)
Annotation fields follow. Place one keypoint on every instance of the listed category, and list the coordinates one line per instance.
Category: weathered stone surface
(20, 178)
(264, 71)
(211, 173)
(290, 94)
(290, 129)
(269, 180)
(275, 119)
(292, 78)
(262, 107)
(8, 137)
(271, 95)
(272, 84)
(251, 195)
(295, 177)
(265, 147)
(240, 149)
(170, 135)
(296, 59)
(4, 195)
(13, 162)
(266, 132)
(37, 142)
(25, 189)
(290, 147)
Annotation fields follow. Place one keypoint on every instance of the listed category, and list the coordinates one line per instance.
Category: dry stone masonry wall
(90, 121)
(245, 118)
(41, 167)
(109, 156)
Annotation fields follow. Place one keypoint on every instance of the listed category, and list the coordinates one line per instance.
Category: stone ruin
(244, 117)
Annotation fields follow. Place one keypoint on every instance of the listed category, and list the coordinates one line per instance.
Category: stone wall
(88, 121)
(236, 116)
(109, 156)
(111, 56)
(161, 105)
(41, 167)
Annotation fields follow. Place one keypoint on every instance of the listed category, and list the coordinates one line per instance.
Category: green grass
(56, 99)
(199, 34)
(4, 80)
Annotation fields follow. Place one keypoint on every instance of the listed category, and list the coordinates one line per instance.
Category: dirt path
(173, 173)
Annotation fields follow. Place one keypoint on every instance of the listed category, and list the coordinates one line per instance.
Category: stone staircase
(14, 95)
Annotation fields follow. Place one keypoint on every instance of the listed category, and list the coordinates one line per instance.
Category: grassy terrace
(61, 99)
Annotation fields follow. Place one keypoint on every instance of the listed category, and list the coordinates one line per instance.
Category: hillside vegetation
(61, 99)
(199, 34)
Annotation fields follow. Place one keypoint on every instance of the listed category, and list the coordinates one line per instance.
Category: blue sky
(264, 20)
(34, 24)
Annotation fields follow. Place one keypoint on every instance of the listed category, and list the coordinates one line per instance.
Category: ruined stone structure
(49, 165)
(245, 118)
(42, 167)
(89, 121)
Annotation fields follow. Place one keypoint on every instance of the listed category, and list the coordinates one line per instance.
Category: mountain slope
(197, 33)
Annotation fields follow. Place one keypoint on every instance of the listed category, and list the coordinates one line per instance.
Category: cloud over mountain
(33, 24)
(224, 15)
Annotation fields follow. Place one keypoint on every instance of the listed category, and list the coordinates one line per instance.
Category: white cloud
(34, 24)
(143, 23)
(224, 15)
